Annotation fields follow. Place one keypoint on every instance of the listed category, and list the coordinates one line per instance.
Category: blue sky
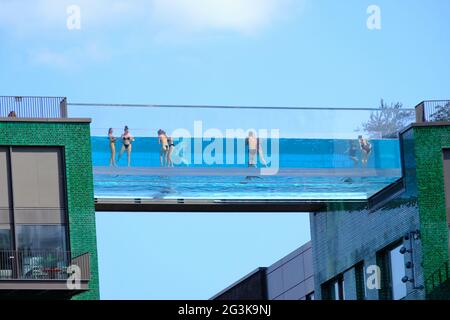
(242, 52)
(188, 255)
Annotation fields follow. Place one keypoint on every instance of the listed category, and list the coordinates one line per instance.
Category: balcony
(433, 111)
(38, 272)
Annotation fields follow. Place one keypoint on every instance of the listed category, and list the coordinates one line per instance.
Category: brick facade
(429, 142)
(74, 137)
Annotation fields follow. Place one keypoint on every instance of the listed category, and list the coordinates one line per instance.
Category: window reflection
(41, 238)
(42, 252)
(397, 266)
(5, 237)
(5, 254)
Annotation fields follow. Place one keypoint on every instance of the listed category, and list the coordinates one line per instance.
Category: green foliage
(389, 120)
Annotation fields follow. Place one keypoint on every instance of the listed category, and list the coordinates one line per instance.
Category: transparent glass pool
(309, 169)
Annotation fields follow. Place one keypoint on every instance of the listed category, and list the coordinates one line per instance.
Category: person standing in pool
(366, 149)
(254, 148)
(170, 151)
(351, 151)
(112, 147)
(164, 150)
(127, 138)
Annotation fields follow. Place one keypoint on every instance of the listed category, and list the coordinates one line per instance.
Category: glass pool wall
(311, 148)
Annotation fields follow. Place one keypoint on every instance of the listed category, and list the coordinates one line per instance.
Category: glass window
(42, 252)
(334, 289)
(360, 277)
(6, 264)
(310, 296)
(5, 237)
(397, 266)
(41, 238)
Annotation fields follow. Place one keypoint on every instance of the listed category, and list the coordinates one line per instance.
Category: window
(5, 253)
(41, 238)
(32, 191)
(5, 237)
(334, 289)
(397, 268)
(5, 192)
(360, 279)
(392, 264)
(310, 296)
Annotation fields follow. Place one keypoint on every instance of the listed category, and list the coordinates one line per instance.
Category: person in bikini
(366, 149)
(112, 147)
(127, 139)
(169, 153)
(164, 150)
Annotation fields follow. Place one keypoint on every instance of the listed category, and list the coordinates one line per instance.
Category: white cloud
(246, 16)
(43, 24)
(34, 16)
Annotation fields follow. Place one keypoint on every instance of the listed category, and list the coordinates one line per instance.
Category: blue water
(327, 154)
(294, 153)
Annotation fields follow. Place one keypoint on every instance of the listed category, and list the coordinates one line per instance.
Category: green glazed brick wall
(430, 179)
(75, 138)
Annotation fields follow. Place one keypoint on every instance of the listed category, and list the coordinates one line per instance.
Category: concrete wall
(251, 287)
(292, 277)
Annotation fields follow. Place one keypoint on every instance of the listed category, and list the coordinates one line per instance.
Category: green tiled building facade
(73, 135)
(429, 144)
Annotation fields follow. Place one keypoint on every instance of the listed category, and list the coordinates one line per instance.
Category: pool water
(309, 169)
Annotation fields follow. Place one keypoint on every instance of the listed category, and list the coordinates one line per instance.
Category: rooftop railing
(43, 265)
(33, 107)
(433, 111)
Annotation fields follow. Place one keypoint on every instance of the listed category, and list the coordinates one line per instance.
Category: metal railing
(33, 107)
(433, 111)
(43, 265)
(438, 277)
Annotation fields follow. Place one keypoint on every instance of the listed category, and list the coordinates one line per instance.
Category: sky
(217, 52)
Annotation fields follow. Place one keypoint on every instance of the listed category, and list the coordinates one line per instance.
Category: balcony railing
(33, 107)
(43, 265)
(433, 111)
